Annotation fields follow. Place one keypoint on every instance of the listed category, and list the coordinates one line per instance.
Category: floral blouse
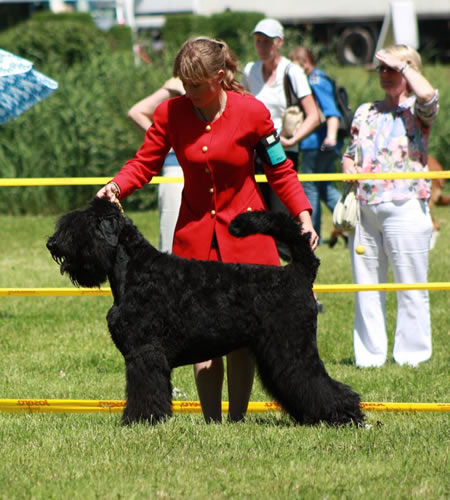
(392, 141)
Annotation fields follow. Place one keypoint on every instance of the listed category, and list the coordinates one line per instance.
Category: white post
(404, 23)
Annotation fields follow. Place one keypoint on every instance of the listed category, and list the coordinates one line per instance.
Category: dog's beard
(64, 268)
(80, 275)
(61, 262)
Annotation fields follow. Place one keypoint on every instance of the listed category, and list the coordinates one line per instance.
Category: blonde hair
(200, 59)
(406, 54)
(301, 54)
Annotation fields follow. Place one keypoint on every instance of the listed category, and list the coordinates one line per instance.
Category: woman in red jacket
(214, 130)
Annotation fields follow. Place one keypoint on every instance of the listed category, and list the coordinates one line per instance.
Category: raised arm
(141, 113)
(419, 85)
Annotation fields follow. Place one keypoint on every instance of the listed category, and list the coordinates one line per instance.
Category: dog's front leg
(149, 389)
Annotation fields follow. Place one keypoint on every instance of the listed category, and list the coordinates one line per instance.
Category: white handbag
(293, 117)
(345, 213)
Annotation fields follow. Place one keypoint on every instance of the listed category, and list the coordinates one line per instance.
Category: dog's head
(85, 241)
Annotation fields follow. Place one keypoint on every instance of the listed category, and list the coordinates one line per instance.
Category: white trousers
(399, 233)
(169, 199)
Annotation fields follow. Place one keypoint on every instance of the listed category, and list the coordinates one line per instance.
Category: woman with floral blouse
(395, 224)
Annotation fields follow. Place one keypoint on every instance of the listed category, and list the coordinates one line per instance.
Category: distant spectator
(320, 150)
(265, 80)
(169, 194)
(395, 224)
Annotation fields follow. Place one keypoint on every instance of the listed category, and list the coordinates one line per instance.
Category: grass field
(59, 347)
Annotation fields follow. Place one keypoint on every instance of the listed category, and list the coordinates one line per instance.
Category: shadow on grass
(5, 315)
(275, 420)
(344, 361)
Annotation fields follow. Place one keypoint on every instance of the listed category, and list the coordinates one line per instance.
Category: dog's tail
(283, 228)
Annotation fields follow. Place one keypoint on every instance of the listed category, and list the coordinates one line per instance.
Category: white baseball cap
(269, 27)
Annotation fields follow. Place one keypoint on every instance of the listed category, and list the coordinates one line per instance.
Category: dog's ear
(108, 228)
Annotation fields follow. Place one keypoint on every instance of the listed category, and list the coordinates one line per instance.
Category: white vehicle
(357, 24)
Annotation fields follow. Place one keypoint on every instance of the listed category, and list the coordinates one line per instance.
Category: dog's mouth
(62, 266)
(79, 273)
(61, 261)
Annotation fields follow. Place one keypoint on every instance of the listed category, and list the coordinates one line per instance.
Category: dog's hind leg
(302, 386)
(149, 390)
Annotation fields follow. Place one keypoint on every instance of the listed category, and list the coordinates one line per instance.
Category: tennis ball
(360, 249)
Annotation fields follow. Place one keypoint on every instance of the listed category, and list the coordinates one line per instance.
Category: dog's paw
(239, 226)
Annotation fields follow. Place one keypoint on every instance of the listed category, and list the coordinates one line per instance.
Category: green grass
(59, 347)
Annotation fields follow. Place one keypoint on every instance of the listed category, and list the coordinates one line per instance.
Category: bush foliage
(82, 130)
(233, 27)
(59, 39)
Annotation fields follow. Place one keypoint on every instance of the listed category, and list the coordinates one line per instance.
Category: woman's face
(391, 81)
(204, 93)
(267, 48)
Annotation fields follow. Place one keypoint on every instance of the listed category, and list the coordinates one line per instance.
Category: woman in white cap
(265, 80)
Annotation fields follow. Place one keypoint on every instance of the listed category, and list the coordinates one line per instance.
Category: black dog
(170, 311)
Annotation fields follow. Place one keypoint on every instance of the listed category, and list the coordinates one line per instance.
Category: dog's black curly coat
(170, 311)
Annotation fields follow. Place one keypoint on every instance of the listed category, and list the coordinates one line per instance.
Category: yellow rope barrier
(53, 292)
(113, 406)
(76, 292)
(384, 287)
(116, 406)
(101, 181)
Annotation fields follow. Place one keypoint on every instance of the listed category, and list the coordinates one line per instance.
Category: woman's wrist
(116, 188)
(304, 215)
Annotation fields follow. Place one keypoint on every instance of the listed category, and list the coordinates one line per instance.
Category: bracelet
(117, 188)
(403, 68)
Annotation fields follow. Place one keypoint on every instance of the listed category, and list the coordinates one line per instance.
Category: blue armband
(270, 150)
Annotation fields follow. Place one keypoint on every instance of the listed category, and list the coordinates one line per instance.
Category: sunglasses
(384, 69)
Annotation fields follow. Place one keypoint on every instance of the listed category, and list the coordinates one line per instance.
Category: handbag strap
(291, 97)
(293, 100)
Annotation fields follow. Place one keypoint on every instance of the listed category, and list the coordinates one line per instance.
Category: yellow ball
(360, 249)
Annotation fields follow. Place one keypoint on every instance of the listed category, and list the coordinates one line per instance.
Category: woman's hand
(417, 83)
(349, 167)
(307, 227)
(287, 143)
(111, 191)
(328, 144)
(330, 140)
(389, 60)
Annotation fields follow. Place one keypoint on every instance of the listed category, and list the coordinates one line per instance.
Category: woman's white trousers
(398, 233)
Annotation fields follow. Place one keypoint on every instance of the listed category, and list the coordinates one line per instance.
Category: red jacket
(219, 182)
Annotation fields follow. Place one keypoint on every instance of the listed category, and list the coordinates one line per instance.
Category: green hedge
(82, 130)
(233, 27)
(47, 42)
(180, 27)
